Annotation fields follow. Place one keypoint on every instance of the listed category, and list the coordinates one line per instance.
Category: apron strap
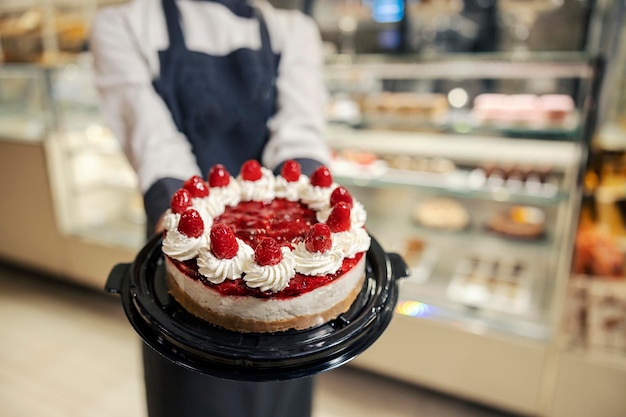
(172, 19)
(266, 46)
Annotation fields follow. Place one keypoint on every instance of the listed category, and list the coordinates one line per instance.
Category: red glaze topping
(339, 218)
(321, 177)
(267, 252)
(291, 171)
(196, 187)
(223, 242)
(251, 170)
(181, 201)
(318, 238)
(218, 176)
(191, 224)
(286, 221)
(341, 194)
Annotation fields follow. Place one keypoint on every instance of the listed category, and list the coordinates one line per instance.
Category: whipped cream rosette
(352, 241)
(256, 182)
(291, 183)
(291, 190)
(316, 197)
(209, 208)
(317, 194)
(217, 270)
(185, 242)
(316, 255)
(223, 187)
(170, 220)
(358, 215)
(230, 195)
(272, 267)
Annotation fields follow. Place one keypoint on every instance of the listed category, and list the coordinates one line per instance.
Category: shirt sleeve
(297, 128)
(136, 114)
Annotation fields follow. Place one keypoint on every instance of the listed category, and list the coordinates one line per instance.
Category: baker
(185, 85)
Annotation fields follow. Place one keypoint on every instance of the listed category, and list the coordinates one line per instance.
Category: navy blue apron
(221, 104)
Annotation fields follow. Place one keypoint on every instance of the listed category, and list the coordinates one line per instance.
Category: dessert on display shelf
(265, 253)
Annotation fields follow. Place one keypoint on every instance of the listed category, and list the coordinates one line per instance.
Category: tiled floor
(67, 351)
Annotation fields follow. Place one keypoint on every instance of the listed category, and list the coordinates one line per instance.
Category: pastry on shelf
(413, 250)
(596, 252)
(441, 213)
(522, 222)
(437, 165)
(21, 35)
(358, 163)
(408, 106)
(491, 282)
(524, 110)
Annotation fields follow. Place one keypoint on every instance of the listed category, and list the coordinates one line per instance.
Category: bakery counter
(32, 235)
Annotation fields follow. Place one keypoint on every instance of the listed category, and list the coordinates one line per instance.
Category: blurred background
(487, 140)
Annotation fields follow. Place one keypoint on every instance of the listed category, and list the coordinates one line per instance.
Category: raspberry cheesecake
(265, 253)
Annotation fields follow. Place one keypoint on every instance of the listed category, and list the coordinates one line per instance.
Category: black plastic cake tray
(197, 345)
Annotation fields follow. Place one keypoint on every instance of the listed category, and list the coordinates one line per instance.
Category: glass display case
(98, 191)
(470, 168)
(94, 189)
(24, 104)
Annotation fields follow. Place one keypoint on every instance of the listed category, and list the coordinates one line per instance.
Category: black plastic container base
(197, 345)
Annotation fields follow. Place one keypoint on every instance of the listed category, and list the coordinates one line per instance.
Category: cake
(441, 213)
(522, 222)
(265, 253)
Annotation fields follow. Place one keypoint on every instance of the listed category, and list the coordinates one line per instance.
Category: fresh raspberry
(341, 194)
(197, 187)
(321, 177)
(317, 238)
(191, 224)
(339, 218)
(251, 170)
(291, 171)
(267, 252)
(223, 242)
(218, 176)
(181, 201)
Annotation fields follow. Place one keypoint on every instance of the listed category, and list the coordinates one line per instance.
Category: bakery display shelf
(538, 65)
(464, 122)
(479, 232)
(480, 280)
(124, 232)
(569, 130)
(456, 185)
(470, 319)
(116, 185)
(94, 138)
(466, 169)
(467, 288)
